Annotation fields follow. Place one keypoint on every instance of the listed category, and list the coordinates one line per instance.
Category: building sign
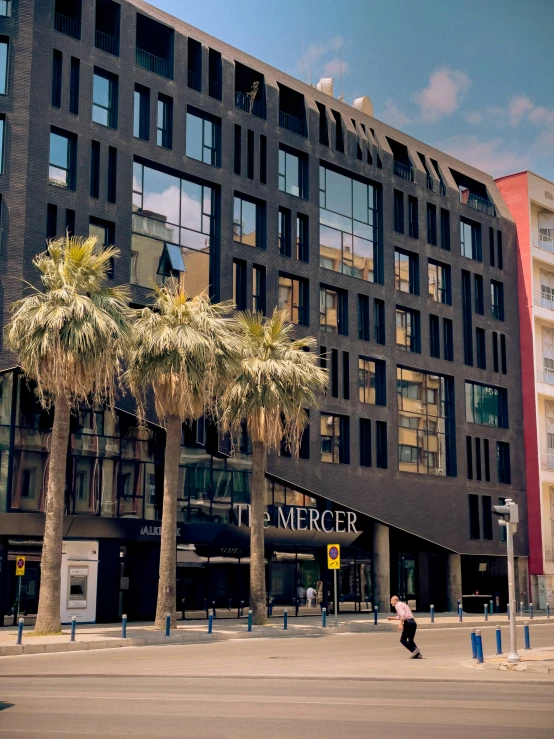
(156, 531)
(302, 519)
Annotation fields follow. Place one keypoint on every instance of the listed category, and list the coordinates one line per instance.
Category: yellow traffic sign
(333, 556)
(20, 566)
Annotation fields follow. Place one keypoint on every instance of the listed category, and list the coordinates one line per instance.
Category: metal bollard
(124, 626)
(367, 604)
(526, 635)
(459, 604)
(168, 624)
(432, 614)
(375, 615)
(486, 612)
(479, 645)
(213, 608)
(548, 610)
(473, 645)
(460, 612)
(508, 610)
(249, 620)
(73, 624)
(285, 619)
(491, 607)
(521, 608)
(210, 623)
(323, 617)
(20, 630)
(498, 641)
(530, 610)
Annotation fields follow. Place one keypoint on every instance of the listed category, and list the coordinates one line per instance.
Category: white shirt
(310, 593)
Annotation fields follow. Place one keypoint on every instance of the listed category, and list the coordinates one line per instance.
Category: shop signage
(156, 531)
(302, 519)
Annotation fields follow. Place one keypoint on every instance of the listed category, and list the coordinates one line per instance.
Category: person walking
(310, 596)
(407, 625)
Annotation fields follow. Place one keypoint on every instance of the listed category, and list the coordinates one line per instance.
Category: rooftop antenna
(341, 96)
(303, 61)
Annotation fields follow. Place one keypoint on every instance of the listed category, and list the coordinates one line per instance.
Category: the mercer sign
(301, 519)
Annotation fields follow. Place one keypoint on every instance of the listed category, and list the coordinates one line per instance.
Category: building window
(499, 250)
(6, 8)
(302, 238)
(399, 211)
(61, 171)
(112, 175)
(246, 222)
(250, 154)
(74, 78)
(407, 330)
(474, 526)
(293, 173)
(413, 217)
(481, 348)
(486, 405)
(346, 375)
(104, 98)
(239, 284)
(258, 289)
(497, 300)
(304, 450)
(469, 458)
(2, 142)
(284, 232)
(333, 310)
(467, 318)
(439, 282)
(94, 169)
(104, 231)
(141, 118)
(372, 381)
(470, 240)
(381, 445)
(57, 67)
(51, 221)
(491, 247)
(486, 505)
(263, 159)
(487, 460)
(4, 50)
(164, 125)
(365, 442)
(503, 360)
(479, 295)
(293, 297)
(445, 229)
(431, 224)
(379, 320)
(339, 134)
(323, 125)
(349, 228)
(448, 339)
(70, 222)
(194, 62)
(406, 271)
(363, 318)
(334, 439)
(503, 459)
(426, 437)
(434, 336)
(203, 137)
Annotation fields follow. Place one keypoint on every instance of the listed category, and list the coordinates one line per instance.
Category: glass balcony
(154, 63)
(405, 171)
(292, 123)
(474, 201)
(244, 102)
(106, 42)
(541, 241)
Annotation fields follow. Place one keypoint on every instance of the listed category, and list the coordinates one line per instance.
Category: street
(353, 685)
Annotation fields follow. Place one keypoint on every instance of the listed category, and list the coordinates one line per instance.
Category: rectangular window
(503, 459)
(2, 145)
(434, 336)
(239, 284)
(448, 339)
(203, 137)
(497, 300)
(70, 221)
(481, 348)
(293, 297)
(495, 351)
(94, 169)
(247, 222)
(467, 318)
(379, 320)
(258, 289)
(478, 458)
(491, 246)
(63, 150)
(293, 172)
(323, 125)
(250, 154)
(237, 152)
(194, 63)
(445, 229)
(304, 451)
(381, 445)
(474, 526)
(439, 282)
(51, 221)
(263, 159)
(503, 354)
(486, 507)
(406, 271)
(284, 235)
(363, 318)
(339, 135)
(407, 330)
(486, 405)
(372, 378)
(302, 238)
(104, 98)
(487, 460)
(479, 297)
(6, 8)
(74, 78)
(413, 217)
(431, 224)
(365, 442)
(112, 175)
(470, 240)
(335, 446)
(469, 458)
(4, 51)
(399, 211)
(499, 250)
(57, 66)
(164, 124)
(346, 375)
(333, 310)
(334, 373)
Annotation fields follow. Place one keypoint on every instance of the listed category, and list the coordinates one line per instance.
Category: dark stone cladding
(434, 508)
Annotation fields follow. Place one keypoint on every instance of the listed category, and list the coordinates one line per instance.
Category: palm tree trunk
(48, 615)
(257, 550)
(168, 548)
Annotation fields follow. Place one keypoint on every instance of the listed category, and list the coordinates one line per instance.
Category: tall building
(531, 202)
(203, 163)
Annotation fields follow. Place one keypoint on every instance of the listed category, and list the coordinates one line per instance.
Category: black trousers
(408, 634)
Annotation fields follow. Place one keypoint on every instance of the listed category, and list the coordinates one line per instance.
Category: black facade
(201, 162)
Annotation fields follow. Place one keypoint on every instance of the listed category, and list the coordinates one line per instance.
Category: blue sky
(474, 78)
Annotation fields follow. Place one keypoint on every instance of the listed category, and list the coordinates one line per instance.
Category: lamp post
(510, 520)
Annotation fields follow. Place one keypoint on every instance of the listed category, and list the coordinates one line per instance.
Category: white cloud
(518, 107)
(493, 156)
(392, 114)
(333, 67)
(314, 54)
(475, 117)
(443, 94)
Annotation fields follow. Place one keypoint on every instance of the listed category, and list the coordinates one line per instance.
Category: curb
(542, 667)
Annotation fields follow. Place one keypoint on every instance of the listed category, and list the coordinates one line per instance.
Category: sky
(473, 78)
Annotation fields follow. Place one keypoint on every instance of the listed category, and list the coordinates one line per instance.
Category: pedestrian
(310, 596)
(407, 625)
(301, 595)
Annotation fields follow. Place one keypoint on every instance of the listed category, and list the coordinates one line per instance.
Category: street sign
(333, 556)
(20, 566)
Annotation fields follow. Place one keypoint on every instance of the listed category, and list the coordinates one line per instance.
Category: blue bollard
(530, 610)
(460, 612)
(168, 624)
(432, 614)
(20, 630)
(323, 617)
(486, 612)
(473, 645)
(459, 604)
(375, 615)
(210, 623)
(508, 610)
(491, 608)
(526, 636)
(213, 608)
(249, 620)
(479, 645)
(498, 641)
(124, 626)
(548, 610)
(285, 619)
(73, 624)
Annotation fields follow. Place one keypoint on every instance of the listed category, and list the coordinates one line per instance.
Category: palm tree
(184, 351)
(69, 338)
(278, 379)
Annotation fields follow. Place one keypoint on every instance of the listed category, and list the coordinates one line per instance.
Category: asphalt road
(348, 685)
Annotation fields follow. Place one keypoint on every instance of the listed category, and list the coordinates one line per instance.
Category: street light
(510, 519)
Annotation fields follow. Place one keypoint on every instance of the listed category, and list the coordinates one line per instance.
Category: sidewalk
(532, 660)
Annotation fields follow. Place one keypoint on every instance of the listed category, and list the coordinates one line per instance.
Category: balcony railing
(292, 123)
(106, 42)
(547, 460)
(406, 171)
(544, 298)
(154, 64)
(195, 81)
(542, 242)
(65, 24)
(475, 201)
(214, 87)
(545, 374)
(244, 102)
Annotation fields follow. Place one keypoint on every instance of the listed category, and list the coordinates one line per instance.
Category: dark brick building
(203, 163)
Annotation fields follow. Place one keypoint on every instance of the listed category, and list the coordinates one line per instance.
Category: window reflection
(244, 222)
(203, 139)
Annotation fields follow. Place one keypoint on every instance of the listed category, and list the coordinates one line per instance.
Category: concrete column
(454, 582)
(381, 567)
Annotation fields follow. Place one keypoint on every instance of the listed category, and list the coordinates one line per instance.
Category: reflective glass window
(245, 222)
(2, 140)
(60, 169)
(104, 99)
(486, 405)
(4, 47)
(203, 139)
(292, 177)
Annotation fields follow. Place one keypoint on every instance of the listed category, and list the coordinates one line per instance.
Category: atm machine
(79, 581)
